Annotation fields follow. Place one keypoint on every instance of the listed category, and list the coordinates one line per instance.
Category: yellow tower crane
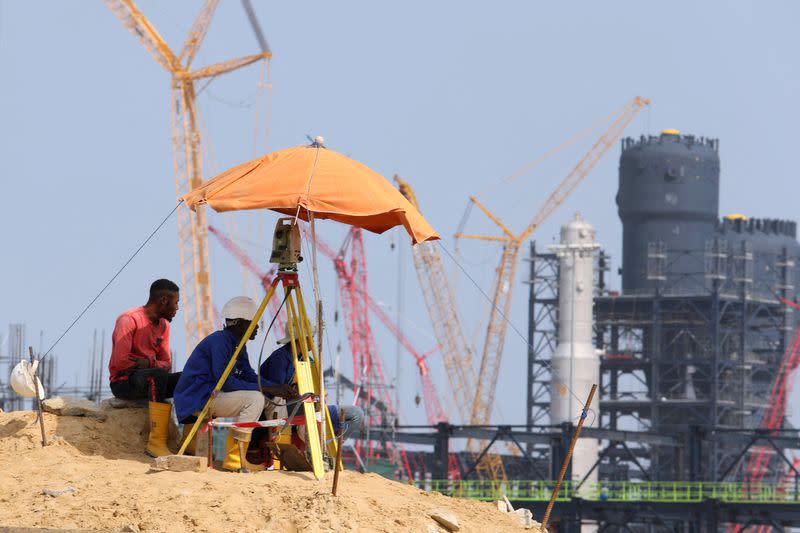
(187, 157)
(504, 282)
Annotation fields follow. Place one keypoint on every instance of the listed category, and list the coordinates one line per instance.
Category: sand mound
(115, 488)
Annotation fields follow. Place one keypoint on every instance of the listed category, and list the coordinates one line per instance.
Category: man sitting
(240, 396)
(278, 379)
(140, 363)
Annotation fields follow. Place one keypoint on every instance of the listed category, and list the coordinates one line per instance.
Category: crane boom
(135, 21)
(586, 164)
(433, 407)
(197, 32)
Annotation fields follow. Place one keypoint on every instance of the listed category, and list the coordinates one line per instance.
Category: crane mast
(456, 354)
(443, 311)
(186, 150)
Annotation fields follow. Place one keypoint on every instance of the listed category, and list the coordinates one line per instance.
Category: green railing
(617, 491)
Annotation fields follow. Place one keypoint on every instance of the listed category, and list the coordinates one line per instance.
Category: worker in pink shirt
(141, 362)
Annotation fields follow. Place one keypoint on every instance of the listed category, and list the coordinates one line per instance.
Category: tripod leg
(319, 384)
(305, 381)
(229, 368)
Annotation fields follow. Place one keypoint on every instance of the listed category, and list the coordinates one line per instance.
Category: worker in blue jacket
(240, 396)
(277, 379)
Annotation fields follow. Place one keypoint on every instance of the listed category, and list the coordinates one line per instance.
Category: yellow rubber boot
(159, 428)
(191, 448)
(236, 456)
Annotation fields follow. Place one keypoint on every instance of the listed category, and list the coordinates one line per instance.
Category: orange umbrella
(314, 179)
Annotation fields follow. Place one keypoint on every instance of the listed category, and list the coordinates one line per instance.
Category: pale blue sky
(451, 95)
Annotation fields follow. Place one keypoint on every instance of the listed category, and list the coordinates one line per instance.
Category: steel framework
(542, 332)
(706, 356)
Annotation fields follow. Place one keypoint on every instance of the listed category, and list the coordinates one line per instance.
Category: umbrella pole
(318, 308)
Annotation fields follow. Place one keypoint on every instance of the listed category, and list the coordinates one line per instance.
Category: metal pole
(338, 466)
(100, 370)
(565, 464)
(323, 401)
(38, 399)
(210, 429)
(318, 305)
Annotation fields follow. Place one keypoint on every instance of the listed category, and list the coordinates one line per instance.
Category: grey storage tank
(771, 249)
(668, 201)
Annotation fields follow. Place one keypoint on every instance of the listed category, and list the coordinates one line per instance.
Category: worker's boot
(159, 428)
(236, 457)
(191, 448)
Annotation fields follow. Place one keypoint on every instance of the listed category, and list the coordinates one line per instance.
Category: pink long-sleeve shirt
(135, 337)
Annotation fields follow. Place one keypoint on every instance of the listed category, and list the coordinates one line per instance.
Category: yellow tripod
(306, 361)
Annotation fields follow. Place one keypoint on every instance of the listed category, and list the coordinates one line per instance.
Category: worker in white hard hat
(240, 396)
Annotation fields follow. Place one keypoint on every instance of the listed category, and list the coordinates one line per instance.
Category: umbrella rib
(211, 194)
(308, 189)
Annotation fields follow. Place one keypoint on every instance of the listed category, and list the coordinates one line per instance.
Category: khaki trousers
(242, 406)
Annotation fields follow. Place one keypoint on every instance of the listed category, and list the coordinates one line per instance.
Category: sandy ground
(117, 489)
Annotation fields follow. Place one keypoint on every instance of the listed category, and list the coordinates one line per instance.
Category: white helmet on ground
(239, 307)
(22, 376)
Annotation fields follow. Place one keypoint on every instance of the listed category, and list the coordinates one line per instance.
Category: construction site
(596, 343)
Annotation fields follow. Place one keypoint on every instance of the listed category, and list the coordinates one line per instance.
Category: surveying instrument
(286, 253)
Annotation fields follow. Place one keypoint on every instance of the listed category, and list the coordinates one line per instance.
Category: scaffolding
(698, 353)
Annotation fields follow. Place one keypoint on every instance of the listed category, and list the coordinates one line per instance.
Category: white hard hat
(239, 307)
(22, 376)
(285, 339)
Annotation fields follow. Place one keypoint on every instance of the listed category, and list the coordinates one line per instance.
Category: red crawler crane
(776, 409)
(368, 372)
(789, 478)
(358, 292)
(758, 463)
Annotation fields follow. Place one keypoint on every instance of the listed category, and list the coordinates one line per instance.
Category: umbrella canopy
(316, 180)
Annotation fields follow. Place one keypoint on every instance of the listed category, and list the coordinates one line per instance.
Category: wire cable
(139, 249)
(266, 335)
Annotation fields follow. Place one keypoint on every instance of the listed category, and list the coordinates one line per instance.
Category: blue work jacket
(205, 367)
(278, 369)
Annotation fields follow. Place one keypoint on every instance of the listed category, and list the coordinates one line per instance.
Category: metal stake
(567, 459)
(38, 399)
(338, 464)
